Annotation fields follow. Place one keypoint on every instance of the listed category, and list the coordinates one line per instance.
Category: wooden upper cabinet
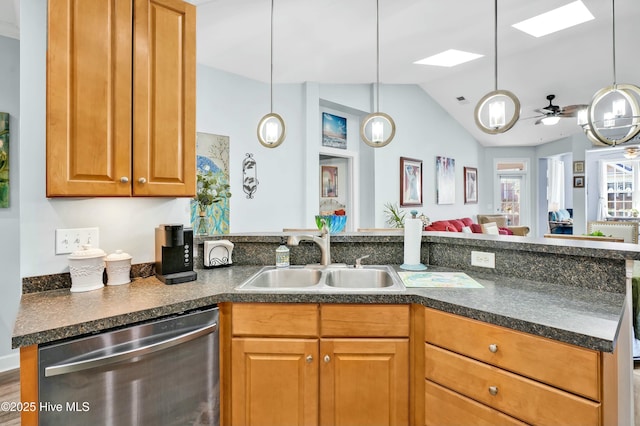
(120, 98)
(164, 125)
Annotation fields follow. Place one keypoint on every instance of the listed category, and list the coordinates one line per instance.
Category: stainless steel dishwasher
(163, 372)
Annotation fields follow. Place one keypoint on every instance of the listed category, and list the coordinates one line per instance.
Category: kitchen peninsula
(568, 302)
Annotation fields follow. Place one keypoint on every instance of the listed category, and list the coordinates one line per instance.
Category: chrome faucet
(323, 241)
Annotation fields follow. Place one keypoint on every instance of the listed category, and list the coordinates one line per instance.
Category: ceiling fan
(551, 114)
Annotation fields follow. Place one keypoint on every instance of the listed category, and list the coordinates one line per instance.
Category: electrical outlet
(483, 259)
(70, 240)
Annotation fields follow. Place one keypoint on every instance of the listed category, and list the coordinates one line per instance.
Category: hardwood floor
(10, 392)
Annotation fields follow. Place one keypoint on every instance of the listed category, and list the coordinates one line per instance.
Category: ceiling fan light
(550, 121)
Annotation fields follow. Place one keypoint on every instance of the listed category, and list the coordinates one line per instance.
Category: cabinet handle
(327, 358)
(309, 359)
(142, 180)
(124, 179)
(493, 390)
(493, 348)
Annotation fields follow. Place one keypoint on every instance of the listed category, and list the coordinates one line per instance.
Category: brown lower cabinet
(328, 369)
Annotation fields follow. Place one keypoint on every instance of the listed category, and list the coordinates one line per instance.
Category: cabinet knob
(309, 359)
(327, 358)
(142, 180)
(493, 390)
(124, 179)
(493, 348)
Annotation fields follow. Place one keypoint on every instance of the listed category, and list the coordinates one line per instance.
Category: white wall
(10, 218)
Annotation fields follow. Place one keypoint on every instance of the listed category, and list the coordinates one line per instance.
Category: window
(509, 199)
(621, 187)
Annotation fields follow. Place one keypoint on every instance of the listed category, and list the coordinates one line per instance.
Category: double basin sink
(328, 278)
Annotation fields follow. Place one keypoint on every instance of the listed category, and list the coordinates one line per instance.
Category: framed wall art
(445, 180)
(4, 159)
(410, 182)
(470, 185)
(578, 181)
(578, 167)
(329, 181)
(334, 131)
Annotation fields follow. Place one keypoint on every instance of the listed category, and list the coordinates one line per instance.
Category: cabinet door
(275, 381)
(89, 97)
(164, 98)
(364, 382)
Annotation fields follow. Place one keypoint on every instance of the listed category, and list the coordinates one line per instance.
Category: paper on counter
(438, 279)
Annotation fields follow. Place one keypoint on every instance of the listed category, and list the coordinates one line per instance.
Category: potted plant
(395, 217)
(211, 188)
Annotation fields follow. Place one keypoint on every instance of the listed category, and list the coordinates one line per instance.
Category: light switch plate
(483, 259)
(70, 240)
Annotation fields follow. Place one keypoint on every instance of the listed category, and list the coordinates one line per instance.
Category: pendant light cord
(271, 62)
(377, 56)
(613, 26)
(495, 43)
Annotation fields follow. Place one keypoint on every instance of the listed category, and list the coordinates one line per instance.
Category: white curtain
(602, 191)
(555, 184)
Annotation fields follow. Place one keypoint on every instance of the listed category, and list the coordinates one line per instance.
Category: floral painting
(4, 160)
(210, 207)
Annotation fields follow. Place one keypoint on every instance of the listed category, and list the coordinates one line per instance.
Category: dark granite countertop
(584, 317)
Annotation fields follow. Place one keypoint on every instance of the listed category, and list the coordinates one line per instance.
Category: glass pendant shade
(613, 117)
(497, 114)
(494, 108)
(377, 129)
(271, 130)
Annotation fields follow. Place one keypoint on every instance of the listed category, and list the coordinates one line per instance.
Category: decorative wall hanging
(445, 180)
(210, 208)
(470, 185)
(410, 182)
(249, 175)
(4, 160)
(334, 131)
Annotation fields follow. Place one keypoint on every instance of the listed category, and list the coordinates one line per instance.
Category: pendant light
(271, 128)
(377, 129)
(613, 117)
(491, 111)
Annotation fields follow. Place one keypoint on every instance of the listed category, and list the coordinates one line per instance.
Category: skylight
(555, 20)
(449, 58)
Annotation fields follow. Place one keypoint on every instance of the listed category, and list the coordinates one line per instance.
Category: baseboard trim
(10, 362)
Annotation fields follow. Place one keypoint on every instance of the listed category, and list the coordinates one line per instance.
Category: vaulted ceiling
(333, 41)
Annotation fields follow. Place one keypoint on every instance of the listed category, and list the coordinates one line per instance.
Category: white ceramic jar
(86, 267)
(118, 268)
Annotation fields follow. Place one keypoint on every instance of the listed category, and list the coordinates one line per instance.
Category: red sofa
(456, 225)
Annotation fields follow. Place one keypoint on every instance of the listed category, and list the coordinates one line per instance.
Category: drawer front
(528, 400)
(274, 319)
(443, 407)
(559, 364)
(364, 320)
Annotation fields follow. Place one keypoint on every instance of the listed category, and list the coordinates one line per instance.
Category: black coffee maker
(174, 254)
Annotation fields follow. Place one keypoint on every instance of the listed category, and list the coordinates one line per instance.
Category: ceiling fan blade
(572, 110)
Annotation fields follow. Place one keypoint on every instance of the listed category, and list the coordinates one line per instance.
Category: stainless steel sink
(359, 278)
(285, 278)
(330, 278)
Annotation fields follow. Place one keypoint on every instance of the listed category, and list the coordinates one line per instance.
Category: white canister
(118, 268)
(86, 267)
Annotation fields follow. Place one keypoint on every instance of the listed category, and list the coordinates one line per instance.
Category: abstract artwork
(410, 182)
(212, 161)
(445, 180)
(470, 185)
(334, 131)
(4, 160)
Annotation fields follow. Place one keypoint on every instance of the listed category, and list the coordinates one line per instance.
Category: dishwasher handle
(73, 367)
